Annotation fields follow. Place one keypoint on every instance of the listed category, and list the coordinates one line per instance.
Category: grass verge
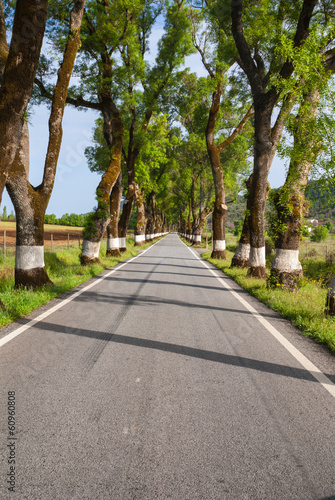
(64, 270)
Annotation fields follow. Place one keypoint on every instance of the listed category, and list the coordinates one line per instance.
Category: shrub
(320, 233)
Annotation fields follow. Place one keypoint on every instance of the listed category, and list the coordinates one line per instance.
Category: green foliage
(238, 227)
(89, 228)
(330, 226)
(66, 220)
(280, 198)
(98, 155)
(320, 233)
(4, 213)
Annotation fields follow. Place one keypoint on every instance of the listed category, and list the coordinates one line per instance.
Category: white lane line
(64, 302)
(301, 358)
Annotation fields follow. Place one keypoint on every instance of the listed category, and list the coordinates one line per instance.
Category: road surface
(164, 380)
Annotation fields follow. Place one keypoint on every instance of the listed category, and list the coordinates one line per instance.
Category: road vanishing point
(163, 379)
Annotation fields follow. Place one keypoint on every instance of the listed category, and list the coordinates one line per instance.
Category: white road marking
(301, 358)
(64, 302)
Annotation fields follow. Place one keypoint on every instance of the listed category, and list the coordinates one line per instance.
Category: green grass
(303, 307)
(64, 269)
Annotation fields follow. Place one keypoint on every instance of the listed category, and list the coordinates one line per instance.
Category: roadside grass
(304, 307)
(65, 271)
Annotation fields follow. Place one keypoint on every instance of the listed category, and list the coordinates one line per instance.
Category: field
(60, 235)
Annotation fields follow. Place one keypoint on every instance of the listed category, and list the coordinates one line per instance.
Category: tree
(330, 226)
(30, 203)
(260, 60)
(320, 233)
(289, 202)
(154, 163)
(4, 213)
(217, 69)
(18, 66)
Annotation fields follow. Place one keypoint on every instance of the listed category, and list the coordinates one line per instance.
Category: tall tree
(260, 62)
(31, 202)
(242, 253)
(289, 202)
(18, 66)
(107, 27)
(217, 68)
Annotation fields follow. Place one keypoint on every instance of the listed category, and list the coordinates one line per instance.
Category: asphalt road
(158, 381)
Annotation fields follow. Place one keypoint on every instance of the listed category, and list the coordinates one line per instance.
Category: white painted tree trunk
(286, 261)
(257, 257)
(90, 251)
(242, 254)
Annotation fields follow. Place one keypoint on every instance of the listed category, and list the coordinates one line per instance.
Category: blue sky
(74, 190)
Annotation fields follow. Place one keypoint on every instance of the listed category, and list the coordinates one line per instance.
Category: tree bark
(18, 77)
(220, 211)
(30, 203)
(241, 256)
(199, 229)
(113, 132)
(149, 230)
(29, 210)
(113, 245)
(290, 203)
(141, 218)
(125, 216)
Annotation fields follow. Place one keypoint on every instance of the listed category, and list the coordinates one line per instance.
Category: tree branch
(238, 129)
(78, 102)
(248, 63)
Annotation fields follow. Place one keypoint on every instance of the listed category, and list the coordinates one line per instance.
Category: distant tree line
(66, 220)
(5, 217)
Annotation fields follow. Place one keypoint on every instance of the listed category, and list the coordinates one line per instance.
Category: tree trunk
(125, 216)
(149, 230)
(264, 101)
(220, 211)
(192, 207)
(141, 219)
(30, 203)
(18, 77)
(154, 215)
(134, 148)
(290, 203)
(95, 229)
(330, 300)
(113, 245)
(259, 189)
(202, 221)
(241, 256)
(158, 226)
(29, 210)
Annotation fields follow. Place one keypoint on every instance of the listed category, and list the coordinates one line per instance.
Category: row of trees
(179, 146)
(66, 220)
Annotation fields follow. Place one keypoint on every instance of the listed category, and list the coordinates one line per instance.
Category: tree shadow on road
(216, 357)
